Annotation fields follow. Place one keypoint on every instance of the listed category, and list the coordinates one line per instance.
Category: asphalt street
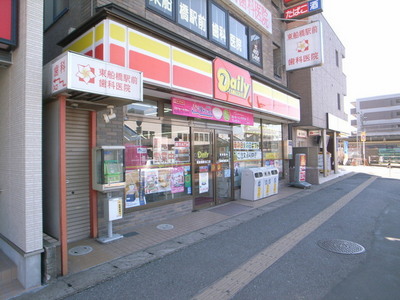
(277, 255)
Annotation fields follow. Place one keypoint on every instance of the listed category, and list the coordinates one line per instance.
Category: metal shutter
(78, 185)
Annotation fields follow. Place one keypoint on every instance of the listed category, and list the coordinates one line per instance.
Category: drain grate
(341, 246)
(80, 250)
(165, 227)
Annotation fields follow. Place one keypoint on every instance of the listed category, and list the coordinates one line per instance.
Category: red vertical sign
(8, 22)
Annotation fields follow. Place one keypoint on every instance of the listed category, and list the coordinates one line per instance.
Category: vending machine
(108, 176)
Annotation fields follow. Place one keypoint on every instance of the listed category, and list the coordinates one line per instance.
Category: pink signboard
(211, 112)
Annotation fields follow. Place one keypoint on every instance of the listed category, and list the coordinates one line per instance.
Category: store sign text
(257, 11)
(201, 110)
(234, 86)
(303, 46)
(303, 10)
(77, 72)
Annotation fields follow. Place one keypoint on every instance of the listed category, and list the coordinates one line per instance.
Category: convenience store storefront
(198, 124)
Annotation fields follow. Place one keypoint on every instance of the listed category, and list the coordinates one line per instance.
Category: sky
(370, 33)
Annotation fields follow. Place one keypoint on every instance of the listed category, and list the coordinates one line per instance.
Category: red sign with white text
(8, 22)
(231, 83)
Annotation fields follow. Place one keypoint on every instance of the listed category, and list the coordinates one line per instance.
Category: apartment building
(377, 139)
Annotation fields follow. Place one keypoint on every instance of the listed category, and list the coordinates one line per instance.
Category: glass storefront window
(157, 158)
(246, 148)
(272, 145)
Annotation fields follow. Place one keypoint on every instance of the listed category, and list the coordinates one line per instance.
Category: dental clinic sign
(77, 72)
(304, 46)
(257, 11)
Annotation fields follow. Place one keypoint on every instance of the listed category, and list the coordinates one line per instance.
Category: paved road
(277, 256)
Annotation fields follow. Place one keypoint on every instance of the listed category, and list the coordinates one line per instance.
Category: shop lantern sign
(304, 47)
(303, 10)
(77, 72)
(231, 83)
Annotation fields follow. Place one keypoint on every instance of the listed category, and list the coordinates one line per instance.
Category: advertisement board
(81, 73)
(303, 10)
(304, 46)
(257, 11)
(211, 112)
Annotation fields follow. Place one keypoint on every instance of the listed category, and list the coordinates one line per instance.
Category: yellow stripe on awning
(150, 45)
(279, 96)
(83, 43)
(118, 32)
(293, 102)
(99, 33)
(262, 89)
(192, 61)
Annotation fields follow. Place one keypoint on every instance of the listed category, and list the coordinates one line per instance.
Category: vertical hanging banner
(304, 46)
(8, 24)
(231, 83)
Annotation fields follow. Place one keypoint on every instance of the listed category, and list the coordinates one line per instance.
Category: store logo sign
(231, 83)
(234, 86)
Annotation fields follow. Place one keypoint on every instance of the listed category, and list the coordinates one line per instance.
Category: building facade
(323, 117)
(21, 239)
(214, 100)
(377, 139)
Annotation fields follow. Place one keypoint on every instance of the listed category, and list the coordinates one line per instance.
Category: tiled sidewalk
(142, 237)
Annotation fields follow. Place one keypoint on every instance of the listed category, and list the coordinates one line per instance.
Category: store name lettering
(201, 111)
(201, 154)
(234, 86)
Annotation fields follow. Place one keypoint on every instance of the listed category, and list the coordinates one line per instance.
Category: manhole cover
(80, 250)
(165, 226)
(341, 246)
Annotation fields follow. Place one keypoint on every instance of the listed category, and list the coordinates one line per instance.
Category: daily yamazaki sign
(8, 24)
(231, 83)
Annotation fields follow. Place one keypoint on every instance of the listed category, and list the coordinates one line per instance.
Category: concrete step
(8, 270)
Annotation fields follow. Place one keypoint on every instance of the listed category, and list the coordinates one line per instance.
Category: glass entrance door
(203, 183)
(223, 175)
(212, 153)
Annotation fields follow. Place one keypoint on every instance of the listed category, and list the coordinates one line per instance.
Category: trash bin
(274, 180)
(252, 184)
(267, 182)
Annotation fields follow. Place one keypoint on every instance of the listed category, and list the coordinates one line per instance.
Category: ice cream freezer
(252, 184)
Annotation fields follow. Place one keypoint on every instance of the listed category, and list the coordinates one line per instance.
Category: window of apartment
(277, 54)
(339, 102)
(53, 10)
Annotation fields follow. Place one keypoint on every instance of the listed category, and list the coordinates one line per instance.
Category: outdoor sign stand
(300, 172)
(112, 209)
